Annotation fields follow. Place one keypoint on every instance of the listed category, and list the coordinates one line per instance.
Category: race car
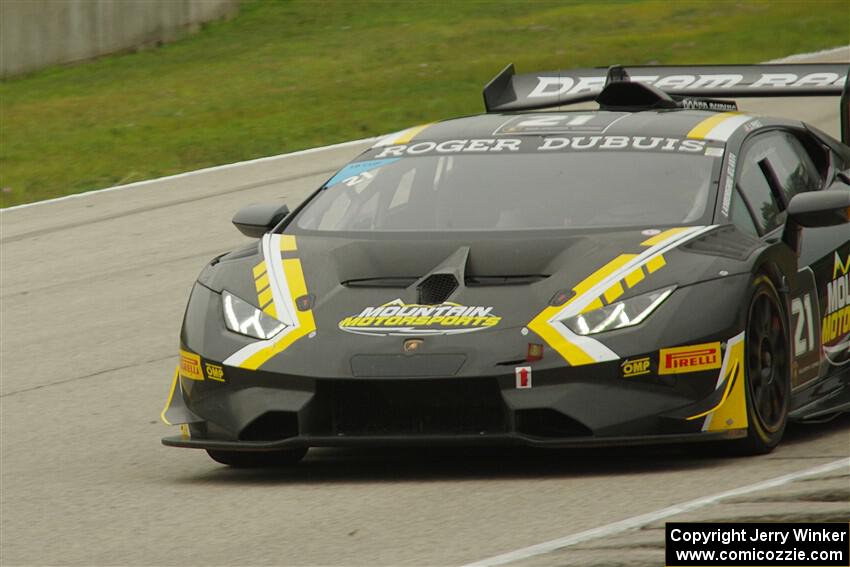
(665, 268)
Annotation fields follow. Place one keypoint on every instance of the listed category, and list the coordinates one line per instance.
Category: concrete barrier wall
(37, 33)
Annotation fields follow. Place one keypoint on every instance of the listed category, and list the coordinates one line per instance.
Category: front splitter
(508, 439)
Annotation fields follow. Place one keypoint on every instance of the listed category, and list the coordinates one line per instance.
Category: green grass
(283, 76)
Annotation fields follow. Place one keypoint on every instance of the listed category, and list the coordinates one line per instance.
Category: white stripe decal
(281, 298)
(722, 378)
(725, 129)
(594, 348)
(576, 306)
(277, 280)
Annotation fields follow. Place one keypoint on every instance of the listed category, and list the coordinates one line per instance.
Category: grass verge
(283, 76)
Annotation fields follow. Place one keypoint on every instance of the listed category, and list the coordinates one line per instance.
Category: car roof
(699, 124)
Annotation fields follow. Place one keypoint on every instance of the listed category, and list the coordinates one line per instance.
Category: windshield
(514, 192)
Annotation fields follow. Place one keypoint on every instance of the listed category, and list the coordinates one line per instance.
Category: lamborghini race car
(663, 269)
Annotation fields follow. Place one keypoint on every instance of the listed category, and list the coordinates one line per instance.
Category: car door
(775, 166)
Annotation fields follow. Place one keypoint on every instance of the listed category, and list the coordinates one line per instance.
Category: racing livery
(663, 269)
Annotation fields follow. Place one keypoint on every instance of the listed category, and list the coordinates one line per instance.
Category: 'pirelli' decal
(694, 358)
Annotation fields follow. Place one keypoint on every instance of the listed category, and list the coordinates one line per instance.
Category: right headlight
(243, 318)
(617, 315)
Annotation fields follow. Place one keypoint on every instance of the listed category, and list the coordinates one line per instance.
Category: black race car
(662, 269)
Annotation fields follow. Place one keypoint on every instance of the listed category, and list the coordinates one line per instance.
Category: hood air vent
(436, 289)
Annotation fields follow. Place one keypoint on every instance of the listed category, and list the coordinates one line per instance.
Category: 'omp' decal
(731, 411)
(693, 358)
(286, 284)
(397, 318)
(835, 332)
(602, 287)
(635, 367)
(214, 371)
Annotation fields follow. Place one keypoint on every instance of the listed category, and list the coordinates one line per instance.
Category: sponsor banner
(835, 331)
(694, 358)
(536, 144)
(399, 318)
(821, 544)
(563, 86)
(190, 366)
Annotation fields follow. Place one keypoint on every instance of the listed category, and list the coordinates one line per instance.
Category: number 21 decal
(804, 331)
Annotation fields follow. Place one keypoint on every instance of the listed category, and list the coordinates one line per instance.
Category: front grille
(411, 407)
(436, 289)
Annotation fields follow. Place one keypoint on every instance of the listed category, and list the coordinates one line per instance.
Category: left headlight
(243, 318)
(617, 315)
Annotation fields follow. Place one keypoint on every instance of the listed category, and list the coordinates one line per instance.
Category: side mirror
(256, 220)
(816, 209)
(821, 208)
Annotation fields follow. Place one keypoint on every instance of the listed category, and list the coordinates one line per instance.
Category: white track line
(799, 57)
(191, 173)
(645, 519)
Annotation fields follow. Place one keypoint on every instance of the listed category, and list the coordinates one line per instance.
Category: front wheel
(256, 459)
(768, 364)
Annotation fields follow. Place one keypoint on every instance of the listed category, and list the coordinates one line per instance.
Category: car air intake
(436, 289)
(271, 426)
(545, 422)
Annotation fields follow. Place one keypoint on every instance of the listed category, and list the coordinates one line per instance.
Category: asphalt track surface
(92, 293)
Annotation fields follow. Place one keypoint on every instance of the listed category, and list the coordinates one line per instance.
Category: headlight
(243, 318)
(617, 315)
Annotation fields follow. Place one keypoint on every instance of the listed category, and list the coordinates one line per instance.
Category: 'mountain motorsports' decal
(399, 318)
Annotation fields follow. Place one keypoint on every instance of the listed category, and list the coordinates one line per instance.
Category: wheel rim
(767, 361)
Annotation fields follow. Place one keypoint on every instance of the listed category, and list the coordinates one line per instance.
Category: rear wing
(509, 91)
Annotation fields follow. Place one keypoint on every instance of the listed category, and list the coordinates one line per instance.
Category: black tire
(768, 369)
(257, 459)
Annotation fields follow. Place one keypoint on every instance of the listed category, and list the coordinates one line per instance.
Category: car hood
(359, 293)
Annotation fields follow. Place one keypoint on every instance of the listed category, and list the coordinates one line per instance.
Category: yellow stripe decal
(603, 273)
(732, 413)
(287, 243)
(571, 353)
(604, 286)
(262, 282)
(634, 277)
(265, 297)
(259, 269)
(655, 264)
(595, 304)
(700, 130)
(613, 292)
(540, 325)
(410, 133)
(306, 324)
(173, 389)
(662, 236)
(270, 310)
(730, 379)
